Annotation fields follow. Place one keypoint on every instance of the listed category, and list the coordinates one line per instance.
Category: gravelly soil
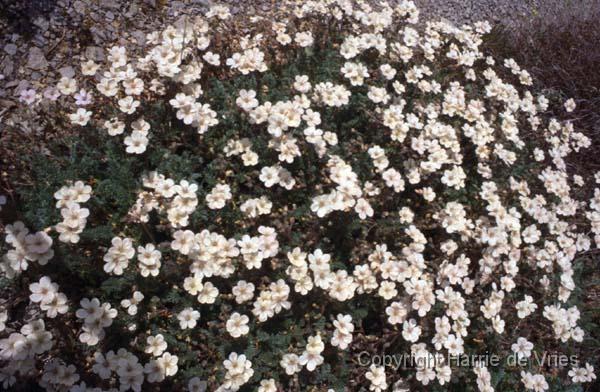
(460, 11)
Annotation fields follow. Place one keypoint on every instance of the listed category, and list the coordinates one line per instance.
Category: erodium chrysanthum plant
(267, 207)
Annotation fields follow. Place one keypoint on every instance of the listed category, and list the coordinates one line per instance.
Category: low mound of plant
(336, 197)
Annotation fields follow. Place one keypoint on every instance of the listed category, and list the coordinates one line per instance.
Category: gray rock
(11, 49)
(96, 16)
(110, 4)
(39, 40)
(80, 7)
(68, 72)
(21, 85)
(139, 36)
(133, 10)
(99, 34)
(7, 67)
(42, 23)
(36, 59)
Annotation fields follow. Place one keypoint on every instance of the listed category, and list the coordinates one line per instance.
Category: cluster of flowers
(218, 196)
(74, 216)
(594, 214)
(257, 206)
(96, 316)
(376, 376)
(238, 371)
(342, 336)
(27, 247)
(128, 369)
(339, 285)
(343, 197)
(272, 301)
(179, 201)
(46, 293)
(19, 349)
(137, 141)
(117, 258)
(434, 138)
(243, 148)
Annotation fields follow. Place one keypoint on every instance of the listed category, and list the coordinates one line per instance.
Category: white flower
(83, 98)
(183, 241)
(311, 360)
(188, 318)
(582, 374)
(396, 312)
(311, 357)
(378, 95)
(393, 179)
(302, 84)
(304, 38)
(531, 234)
(136, 142)
(525, 307)
(66, 85)
(454, 344)
(155, 345)
(43, 291)
(218, 196)
(89, 68)
(522, 348)
(269, 175)
(208, 294)
(267, 386)
(128, 105)
(534, 382)
(290, 363)
(114, 126)
(570, 105)
(342, 336)
(237, 325)
(101, 366)
(149, 260)
(28, 96)
(247, 100)
(193, 284)
(356, 72)
(376, 375)
(212, 58)
(38, 244)
(133, 86)
(387, 71)
(80, 117)
(411, 331)
(131, 304)
(168, 364)
(363, 208)
(118, 256)
(387, 290)
(243, 291)
(239, 370)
